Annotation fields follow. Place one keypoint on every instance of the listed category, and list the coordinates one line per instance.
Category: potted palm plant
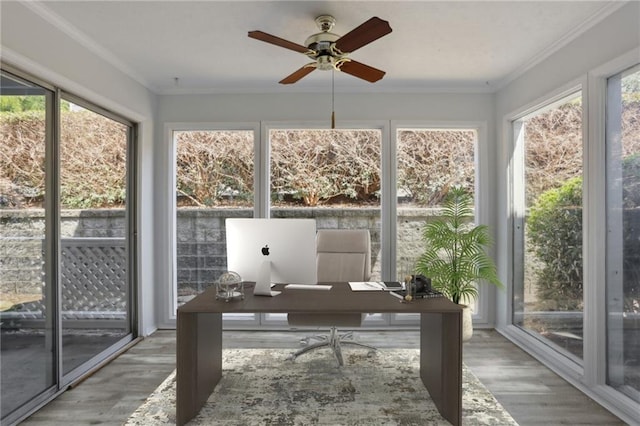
(455, 256)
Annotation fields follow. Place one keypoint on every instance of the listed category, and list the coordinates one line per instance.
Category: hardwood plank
(532, 393)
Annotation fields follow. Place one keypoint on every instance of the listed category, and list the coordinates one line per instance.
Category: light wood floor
(531, 393)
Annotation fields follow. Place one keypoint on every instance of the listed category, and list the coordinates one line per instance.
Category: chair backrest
(343, 255)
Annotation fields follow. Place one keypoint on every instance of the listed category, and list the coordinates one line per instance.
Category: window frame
(516, 203)
(167, 302)
(483, 200)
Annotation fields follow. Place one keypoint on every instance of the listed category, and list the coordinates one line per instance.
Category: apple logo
(265, 250)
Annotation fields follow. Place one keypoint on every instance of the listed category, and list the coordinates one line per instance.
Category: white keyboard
(307, 287)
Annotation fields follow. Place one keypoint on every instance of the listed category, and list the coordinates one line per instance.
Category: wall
(31, 43)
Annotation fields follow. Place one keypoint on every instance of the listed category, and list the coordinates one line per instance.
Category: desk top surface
(340, 299)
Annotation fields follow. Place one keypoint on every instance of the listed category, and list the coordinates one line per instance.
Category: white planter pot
(467, 322)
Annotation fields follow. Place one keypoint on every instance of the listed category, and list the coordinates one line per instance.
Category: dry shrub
(320, 166)
(22, 137)
(214, 167)
(631, 128)
(554, 145)
(92, 160)
(553, 149)
(307, 166)
(432, 161)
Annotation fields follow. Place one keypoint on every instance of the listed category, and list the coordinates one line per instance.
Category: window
(623, 232)
(214, 180)
(548, 274)
(333, 176)
(429, 163)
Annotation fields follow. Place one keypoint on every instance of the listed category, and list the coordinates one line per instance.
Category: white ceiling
(448, 45)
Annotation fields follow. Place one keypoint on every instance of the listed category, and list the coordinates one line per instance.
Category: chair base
(333, 341)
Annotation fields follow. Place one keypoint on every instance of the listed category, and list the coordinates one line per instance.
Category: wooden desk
(199, 339)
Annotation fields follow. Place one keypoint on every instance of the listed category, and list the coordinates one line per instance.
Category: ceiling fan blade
(262, 36)
(360, 70)
(360, 36)
(297, 75)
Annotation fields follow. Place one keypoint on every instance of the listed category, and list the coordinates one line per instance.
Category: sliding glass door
(94, 202)
(28, 346)
(67, 240)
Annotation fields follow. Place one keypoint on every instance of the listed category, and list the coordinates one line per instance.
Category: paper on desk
(367, 286)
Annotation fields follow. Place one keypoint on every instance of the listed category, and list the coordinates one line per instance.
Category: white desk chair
(342, 255)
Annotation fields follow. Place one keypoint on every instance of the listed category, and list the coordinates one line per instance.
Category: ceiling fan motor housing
(321, 42)
(321, 45)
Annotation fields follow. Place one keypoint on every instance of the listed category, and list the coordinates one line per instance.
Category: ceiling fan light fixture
(325, 62)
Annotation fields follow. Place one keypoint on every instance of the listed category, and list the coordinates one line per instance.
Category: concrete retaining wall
(200, 239)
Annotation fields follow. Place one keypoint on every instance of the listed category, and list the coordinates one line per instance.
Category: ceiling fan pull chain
(333, 112)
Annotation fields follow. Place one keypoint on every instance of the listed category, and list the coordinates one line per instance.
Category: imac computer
(270, 251)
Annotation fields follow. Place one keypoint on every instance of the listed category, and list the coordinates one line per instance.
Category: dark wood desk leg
(198, 361)
(441, 362)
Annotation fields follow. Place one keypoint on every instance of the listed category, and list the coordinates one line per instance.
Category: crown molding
(567, 38)
(83, 39)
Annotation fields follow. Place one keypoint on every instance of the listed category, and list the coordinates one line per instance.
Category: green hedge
(554, 228)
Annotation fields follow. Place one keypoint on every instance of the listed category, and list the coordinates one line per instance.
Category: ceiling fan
(331, 51)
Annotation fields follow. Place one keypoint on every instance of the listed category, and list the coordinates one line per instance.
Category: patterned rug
(262, 387)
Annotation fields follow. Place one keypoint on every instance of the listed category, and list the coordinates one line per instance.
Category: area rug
(263, 387)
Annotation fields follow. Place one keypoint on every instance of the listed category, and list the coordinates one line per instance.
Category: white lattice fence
(94, 278)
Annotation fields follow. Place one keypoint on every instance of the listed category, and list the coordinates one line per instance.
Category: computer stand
(263, 283)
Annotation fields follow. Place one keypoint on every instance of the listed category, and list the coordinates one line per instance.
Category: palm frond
(455, 256)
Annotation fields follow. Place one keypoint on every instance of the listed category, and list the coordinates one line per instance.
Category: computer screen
(283, 249)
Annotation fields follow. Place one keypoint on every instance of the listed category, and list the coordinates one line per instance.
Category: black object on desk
(393, 285)
(420, 295)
